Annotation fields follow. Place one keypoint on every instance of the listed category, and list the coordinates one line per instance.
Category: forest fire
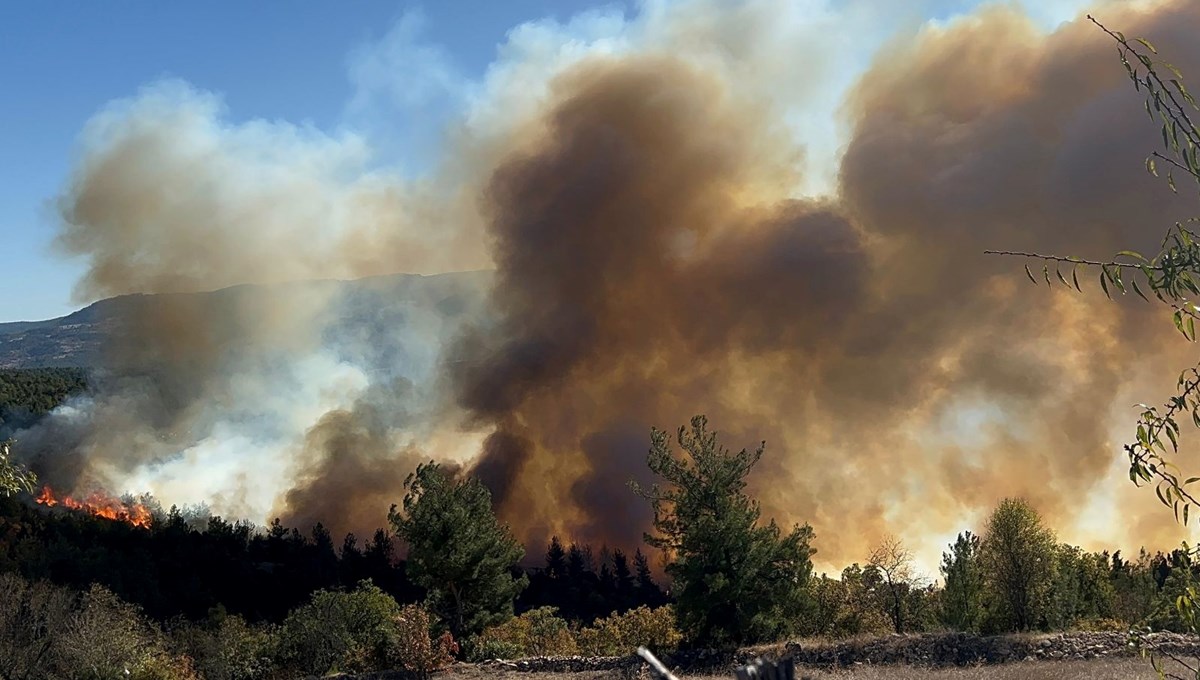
(100, 505)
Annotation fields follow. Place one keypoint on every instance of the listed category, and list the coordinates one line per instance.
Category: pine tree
(648, 591)
(623, 587)
(556, 559)
(961, 595)
(457, 549)
(735, 581)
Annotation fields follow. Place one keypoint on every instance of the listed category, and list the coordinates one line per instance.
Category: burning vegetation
(100, 504)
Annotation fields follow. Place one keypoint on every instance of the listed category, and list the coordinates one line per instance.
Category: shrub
(1100, 625)
(621, 634)
(105, 637)
(538, 632)
(343, 631)
(49, 631)
(411, 648)
(226, 648)
(484, 648)
(160, 665)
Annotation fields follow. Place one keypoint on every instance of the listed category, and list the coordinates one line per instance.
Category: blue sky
(276, 60)
(60, 63)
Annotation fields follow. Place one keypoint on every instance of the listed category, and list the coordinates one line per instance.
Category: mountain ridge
(77, 340)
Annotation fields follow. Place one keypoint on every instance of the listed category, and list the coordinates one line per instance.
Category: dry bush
(621, 634)
(538, 632)
(411, 648)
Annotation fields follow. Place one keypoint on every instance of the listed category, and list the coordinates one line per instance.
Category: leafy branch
(14, 477)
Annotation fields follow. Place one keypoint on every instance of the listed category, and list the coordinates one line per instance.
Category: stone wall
(936, 650)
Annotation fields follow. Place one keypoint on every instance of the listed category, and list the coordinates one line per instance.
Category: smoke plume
(671, 231)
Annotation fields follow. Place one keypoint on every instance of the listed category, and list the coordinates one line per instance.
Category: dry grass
(1099, 669)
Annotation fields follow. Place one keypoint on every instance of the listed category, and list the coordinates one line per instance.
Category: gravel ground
(1096, 669)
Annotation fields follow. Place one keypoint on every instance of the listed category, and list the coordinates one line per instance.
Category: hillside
(381, 302)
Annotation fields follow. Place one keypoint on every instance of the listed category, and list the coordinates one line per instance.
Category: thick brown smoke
(650, 266)
(652, 261)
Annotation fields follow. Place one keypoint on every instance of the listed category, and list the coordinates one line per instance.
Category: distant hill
(371, 306)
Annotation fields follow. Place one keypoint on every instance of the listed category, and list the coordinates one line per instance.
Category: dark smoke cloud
(646, 272)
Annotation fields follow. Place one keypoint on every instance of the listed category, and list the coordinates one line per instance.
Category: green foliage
(538, 632)
(848, 606)
(458, 551)
(486, 647)
(1134, 588)
(622, 634)
(1081, 590)
(159, 665)
(342, 631)
(735, 581)
(26, 393)
(50, 632)
(1017, 554)
(226, 648)
(962, 594)
(14, 478)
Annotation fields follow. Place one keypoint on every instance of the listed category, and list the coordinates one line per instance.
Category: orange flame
(100, 505)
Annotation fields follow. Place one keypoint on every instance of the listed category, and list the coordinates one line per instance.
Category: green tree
(458, 551)
(962, 592)
(1017, 556)
(13, 477)
(736, 581)
(1081, 591)
(340, 631)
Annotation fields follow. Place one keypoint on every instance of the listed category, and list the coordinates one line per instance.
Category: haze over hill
(378, 307)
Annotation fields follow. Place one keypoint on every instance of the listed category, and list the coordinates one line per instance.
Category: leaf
(1147, 44)
(1103, 283)
(1030, 275)
(1075, 278)
(1151, 166)
(1061, 277)
(1191, 328)
(1138, 290)
(1132, 253)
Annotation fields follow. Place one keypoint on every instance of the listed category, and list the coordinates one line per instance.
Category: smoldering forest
(638, 250)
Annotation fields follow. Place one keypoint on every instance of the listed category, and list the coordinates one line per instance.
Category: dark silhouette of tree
(556, 559)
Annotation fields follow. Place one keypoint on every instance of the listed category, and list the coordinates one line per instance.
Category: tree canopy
(736, 581)
(458, 550)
